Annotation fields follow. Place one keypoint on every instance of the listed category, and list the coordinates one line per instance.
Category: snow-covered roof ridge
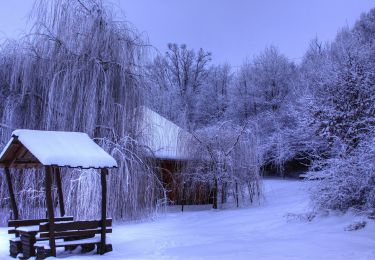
(72, 149)
(166, 139)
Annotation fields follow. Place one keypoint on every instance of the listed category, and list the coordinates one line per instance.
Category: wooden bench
(18, 244)
(71, 234)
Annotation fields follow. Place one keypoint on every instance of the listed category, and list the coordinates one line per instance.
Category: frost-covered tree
(213, 99)
(344, 90)
(78, 70)
(267, 91)
(341, 78)
(227, 160)
(178, 77)
(347, 183)
(262, 84)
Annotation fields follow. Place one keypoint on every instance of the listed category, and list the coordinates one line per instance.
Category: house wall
(179, 190)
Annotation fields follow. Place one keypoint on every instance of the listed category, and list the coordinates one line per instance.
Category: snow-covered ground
(259, 232)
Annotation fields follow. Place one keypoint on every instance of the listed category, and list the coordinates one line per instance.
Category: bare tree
(179, 76)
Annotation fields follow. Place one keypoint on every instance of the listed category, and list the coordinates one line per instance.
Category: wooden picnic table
(28, 236)
(33, 240)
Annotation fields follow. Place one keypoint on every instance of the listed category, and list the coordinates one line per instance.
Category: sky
(232, 30)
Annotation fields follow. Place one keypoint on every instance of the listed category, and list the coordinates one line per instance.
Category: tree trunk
(237, 196)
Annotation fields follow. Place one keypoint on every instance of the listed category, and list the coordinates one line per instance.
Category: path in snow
(259, 232)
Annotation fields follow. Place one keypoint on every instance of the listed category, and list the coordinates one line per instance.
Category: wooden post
(59, 191)
(103, 173)
(51, 216)
(11, 193)
(214, 194)
(183, 195)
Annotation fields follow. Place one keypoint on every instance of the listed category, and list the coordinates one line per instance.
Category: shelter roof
(31, 148)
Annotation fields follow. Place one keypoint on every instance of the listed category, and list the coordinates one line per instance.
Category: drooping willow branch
(78, 70)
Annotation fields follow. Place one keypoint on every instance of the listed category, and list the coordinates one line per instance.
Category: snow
(28, 228)
(61, 242)
(259, 232)
(72, 149)
(163, 137)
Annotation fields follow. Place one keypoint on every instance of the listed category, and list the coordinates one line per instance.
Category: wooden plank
(11, 151)
(33, 222)
(59, 191)
(23, 165)
(13, 231)
(51, 216)
(84, 241)
(103, 174)
(76, 225)
(75, 233)
(11, 193)
(20, 152)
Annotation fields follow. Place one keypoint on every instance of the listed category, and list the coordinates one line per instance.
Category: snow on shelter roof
(72, 149)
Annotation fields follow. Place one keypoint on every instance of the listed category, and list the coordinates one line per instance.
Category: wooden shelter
(54, 150)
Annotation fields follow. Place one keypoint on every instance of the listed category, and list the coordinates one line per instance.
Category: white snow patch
(259, 232)
(72, 149)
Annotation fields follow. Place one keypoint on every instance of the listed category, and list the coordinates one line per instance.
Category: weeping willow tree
(79, 70)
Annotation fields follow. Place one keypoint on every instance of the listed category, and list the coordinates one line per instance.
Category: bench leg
(28, 242)
(108, 248)
(42, 253)
(15, 248)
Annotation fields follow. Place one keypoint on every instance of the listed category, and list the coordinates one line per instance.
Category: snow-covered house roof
(72, 149)
(165, 139)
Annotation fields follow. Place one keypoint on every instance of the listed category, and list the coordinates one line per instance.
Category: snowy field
(259, 232)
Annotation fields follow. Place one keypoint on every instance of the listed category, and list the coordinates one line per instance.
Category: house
(169, 145)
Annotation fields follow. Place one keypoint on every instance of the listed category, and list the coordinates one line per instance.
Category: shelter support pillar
(59, 191)
(51, 216)
(11, 193)
(103, 175)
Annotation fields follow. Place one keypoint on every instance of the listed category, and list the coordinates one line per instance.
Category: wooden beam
(51, 216)
(11, 194)
(103, 174)
(71, 233)
(34, 222)
(20, 152)
(59, 191)
(76, 225)
(17, 165)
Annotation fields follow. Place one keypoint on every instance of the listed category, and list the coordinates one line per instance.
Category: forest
(80, 70)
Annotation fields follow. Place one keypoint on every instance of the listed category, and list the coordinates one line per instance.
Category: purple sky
(231, 29)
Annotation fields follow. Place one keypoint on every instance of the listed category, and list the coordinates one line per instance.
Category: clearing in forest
(272, 230)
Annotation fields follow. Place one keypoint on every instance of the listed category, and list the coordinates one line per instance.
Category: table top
(28, 229)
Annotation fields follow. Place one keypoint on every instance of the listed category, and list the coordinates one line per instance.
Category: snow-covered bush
(356, 226)
(341, 79)
(345, 183)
